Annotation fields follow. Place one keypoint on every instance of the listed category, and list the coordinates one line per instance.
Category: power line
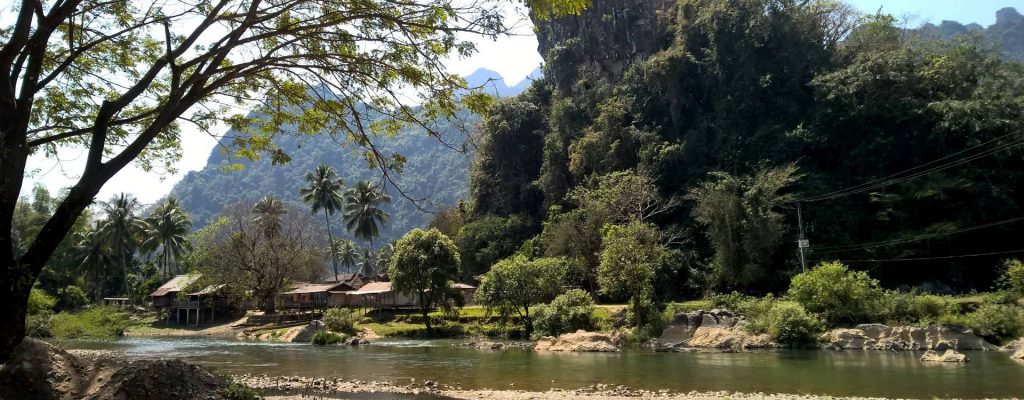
(935, 258)
(942, 164)
(864, 246)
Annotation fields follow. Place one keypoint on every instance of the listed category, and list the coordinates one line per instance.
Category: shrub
(324, 338)
(929, 307)
(340, 320)
(72, 298)
(38, 325)
(39, 301)
(837, 294)
(95, 322)
(1014, 276)
(994, 322)
(790, 323)
(570, 311)
(239, 391)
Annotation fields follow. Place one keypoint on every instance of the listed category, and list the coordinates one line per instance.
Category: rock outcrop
(901, 338)
(582, 341)
(304, 334)
(715, 330)
(948, 356)
(1018, 355)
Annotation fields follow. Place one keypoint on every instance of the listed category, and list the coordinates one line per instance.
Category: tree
(363, 216)
(516, 283)
(259, 266)
(837, 293)
(348, 254)
(629, 258)
(121, 229)
(268, 214)
(94, 258)
(116, 80)
(424, 264)
(324, 192)
(743, 223)
(168, 229)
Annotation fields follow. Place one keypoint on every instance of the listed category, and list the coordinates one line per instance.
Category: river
(843, 373)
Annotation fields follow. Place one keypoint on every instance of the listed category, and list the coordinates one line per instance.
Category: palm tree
(169, 227)
(363, 216)
(368, 267)
(121, 228)
(348, 252)
(269, 214)
(91, 250)
(324, 192)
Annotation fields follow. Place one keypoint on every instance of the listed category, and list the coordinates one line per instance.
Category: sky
(513, 57)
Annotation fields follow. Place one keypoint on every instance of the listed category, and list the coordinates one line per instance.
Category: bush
(239, 391)
(789, 323)
(95, 322)
(39, 301)
(928, 307)
(837, 294)
(38, 325)
(340, 320)
(324, 338)
(994, 322)
(570, 311)
(1014, 276)
(72, 298)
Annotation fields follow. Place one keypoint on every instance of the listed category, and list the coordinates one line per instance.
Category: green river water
(844, 373)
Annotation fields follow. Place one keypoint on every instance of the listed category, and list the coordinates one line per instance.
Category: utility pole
(802, 241)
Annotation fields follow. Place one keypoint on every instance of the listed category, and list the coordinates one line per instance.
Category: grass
(97, 322)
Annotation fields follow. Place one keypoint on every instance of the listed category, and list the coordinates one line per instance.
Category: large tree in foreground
(423, 265)
(114, 79)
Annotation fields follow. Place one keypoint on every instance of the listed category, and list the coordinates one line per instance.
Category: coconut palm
(348, 253)
(323, 191)
(121, 228)
(363, 216)
(168, 231)
(368, 266)
(269, 214)
(94, 257)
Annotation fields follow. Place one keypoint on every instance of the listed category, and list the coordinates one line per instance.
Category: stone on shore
(902, 338)
(581, 341)
(1018, 355)
(948, 356)
(710, 330)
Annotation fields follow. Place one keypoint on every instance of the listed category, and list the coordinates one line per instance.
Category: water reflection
(851, 373)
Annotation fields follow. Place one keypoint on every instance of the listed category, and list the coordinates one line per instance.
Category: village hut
(355, 281)
(165, 297)
(303, 296)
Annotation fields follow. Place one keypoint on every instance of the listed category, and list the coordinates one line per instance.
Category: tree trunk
(330, 237)
(528, 323)
(13, 306)
(424, 310)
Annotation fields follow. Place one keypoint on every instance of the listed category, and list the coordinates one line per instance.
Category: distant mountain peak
(1008, 15)
(494, 83)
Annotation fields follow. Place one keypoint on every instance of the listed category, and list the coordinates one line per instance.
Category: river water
(845, 373)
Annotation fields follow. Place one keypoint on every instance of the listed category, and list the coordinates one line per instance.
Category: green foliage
(837, 293)
(96, 322)
(39, 302)
(324, 338)
(340, 320)
(1014, 275)
(630, 256)
(508, 161)
(423, 266)
(790, 323)
(743, 223)
(239, 391)
(516, 283)
(71, 298)
(569, 312)
(994, 322)
(485, 241)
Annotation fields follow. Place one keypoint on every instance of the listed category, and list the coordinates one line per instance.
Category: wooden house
(303, 296)
(166, 296)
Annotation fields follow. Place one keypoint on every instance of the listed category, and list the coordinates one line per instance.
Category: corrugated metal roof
(304, 287)
(176, 284)
(208, 290)
(374, 287)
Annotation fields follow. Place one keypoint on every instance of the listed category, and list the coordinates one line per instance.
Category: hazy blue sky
(513, 57)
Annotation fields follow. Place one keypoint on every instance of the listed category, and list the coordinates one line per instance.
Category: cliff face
(613, 33)
(1007, 34)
